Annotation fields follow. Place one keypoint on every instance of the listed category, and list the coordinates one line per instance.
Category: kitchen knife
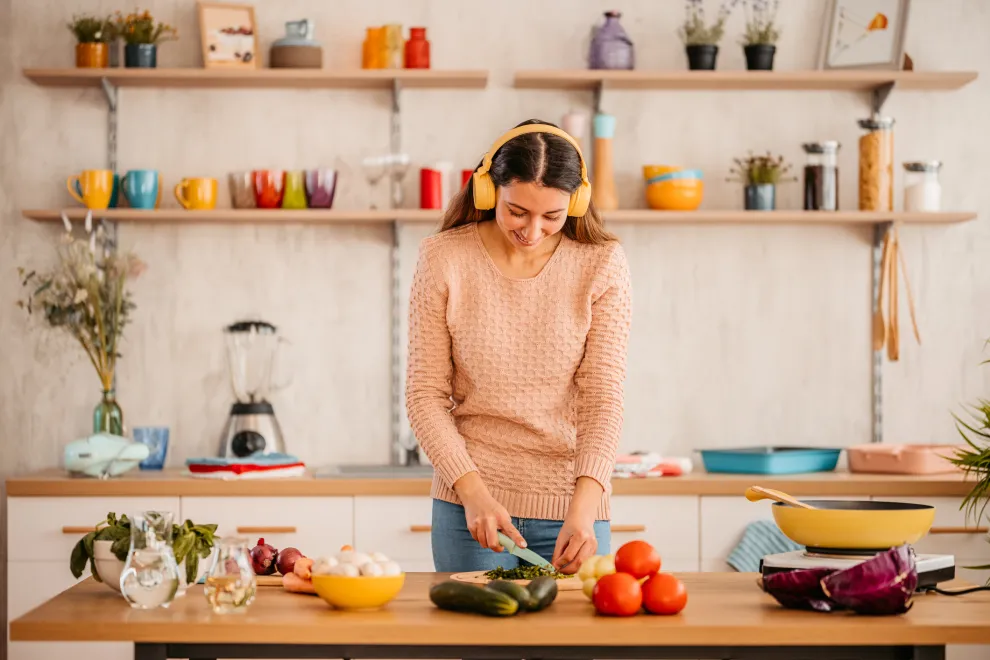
(524, 554)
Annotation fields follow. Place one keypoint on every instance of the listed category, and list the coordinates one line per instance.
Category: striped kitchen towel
(760, 539)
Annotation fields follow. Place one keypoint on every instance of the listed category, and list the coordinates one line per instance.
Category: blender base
(251, 429)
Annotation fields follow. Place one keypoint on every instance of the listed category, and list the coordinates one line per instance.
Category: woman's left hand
(576, 542)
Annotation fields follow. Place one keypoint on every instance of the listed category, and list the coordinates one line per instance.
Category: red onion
(263, 558)
(801, 589)
(883, 584)
(287, 560)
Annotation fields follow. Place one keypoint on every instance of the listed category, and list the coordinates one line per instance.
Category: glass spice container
(922, 189)
(417, 49)
(373, 53)
(394, 48)
(821, 176)
(876, 164)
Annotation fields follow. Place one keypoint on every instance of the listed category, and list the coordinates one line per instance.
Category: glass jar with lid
(876, 164)
(821, 176)
(922, 189)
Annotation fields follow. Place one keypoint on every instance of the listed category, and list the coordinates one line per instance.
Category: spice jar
(373, 54)
(922, 189)
(821, 176)
(876, 164)
(417, 49)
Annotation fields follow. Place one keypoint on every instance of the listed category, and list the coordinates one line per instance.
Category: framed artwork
(864, 34)
(229, 36)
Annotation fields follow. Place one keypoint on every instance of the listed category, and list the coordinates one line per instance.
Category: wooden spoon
(756, 493)
(879, 326)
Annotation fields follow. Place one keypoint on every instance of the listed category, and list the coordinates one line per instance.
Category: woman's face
(528, 213)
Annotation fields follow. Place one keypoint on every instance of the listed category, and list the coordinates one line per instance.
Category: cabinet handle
(265, 530)
(959, 530)
(628, 528)
(78, 529)
(420, 528)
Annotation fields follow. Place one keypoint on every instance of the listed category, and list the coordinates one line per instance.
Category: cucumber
(544, 591)
(518, 592)
(463, 597)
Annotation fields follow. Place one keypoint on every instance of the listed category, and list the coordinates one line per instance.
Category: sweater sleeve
(429, 376)
(602, 371)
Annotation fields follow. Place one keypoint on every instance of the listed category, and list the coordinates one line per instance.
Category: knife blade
(524, 554)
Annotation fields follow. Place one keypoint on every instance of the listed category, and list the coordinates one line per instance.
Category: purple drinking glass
(321, 184)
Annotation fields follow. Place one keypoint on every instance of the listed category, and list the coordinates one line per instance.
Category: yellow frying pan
(849, 525)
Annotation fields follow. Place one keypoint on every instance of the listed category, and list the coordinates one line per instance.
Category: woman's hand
(576, 541)
(484, 515)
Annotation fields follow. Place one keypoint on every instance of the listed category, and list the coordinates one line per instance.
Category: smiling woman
(519, 324)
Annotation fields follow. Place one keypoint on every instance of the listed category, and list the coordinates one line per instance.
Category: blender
(251, 427)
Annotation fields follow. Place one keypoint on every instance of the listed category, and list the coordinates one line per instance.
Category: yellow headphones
(484, 188)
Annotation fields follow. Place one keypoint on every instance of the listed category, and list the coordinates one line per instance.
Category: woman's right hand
(484, 515)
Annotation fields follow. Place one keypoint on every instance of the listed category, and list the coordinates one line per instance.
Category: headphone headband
(486, 163)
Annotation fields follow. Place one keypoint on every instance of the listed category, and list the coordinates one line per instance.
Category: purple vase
(320, 187)
(611, 47)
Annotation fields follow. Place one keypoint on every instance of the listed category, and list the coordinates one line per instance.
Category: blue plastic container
(770, 460)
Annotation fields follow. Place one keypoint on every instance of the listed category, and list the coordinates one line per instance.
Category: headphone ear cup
(580, 200)
(484, 192)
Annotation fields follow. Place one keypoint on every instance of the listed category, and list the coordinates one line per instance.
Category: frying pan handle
(959, 530)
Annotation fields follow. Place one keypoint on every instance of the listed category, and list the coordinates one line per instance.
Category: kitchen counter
(56, 483)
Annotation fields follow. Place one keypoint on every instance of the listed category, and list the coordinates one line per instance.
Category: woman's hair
(542, 158)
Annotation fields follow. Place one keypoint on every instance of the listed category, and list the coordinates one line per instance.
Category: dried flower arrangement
(696, 31)
(142, 28)
(756, 170)
(90, 29)
(761, 22)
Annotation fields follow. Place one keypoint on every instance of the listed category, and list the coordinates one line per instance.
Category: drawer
(316, 526)
(35, 524)
(397, 526)
(953, 532)
(668, 523)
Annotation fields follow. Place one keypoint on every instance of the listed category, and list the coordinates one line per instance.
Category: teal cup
(141, 188)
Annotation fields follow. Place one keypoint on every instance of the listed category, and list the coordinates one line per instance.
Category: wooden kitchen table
(727, 616)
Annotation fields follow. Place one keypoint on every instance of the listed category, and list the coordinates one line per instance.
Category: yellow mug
(91, 188)
(197, 193)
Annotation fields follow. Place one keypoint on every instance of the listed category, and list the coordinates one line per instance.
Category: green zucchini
(544, 591)
(463, 597)
(518, 592)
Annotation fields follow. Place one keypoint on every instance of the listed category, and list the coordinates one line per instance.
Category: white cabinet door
(669, 523)
(396, 526)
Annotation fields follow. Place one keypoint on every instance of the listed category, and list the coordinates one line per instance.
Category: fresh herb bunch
(761, 22)
(142, 28)
(696, 31)
(522, 573)
(756, 170)
(189, 543)
(89, 29)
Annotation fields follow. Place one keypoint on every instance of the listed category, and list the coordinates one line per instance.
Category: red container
(417, 49)
(466, 176)
(430, 189)
(269, 186)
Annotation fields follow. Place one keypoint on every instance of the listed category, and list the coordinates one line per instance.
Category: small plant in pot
(760, 174)
(92, 34)
(105, 549)
(762, 33)
(141, 35)
(701, 39)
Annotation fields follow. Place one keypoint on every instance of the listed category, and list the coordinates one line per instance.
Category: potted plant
(141, 35)
(759, 42)
(760, 174)
(701, 39)
(974, 460)
(85, 295)
(92, 34)
(105, 549)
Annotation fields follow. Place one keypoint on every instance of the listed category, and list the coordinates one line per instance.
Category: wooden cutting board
(478, 577)
(268, 580)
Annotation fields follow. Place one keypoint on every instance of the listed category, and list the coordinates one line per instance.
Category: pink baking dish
(902, 459)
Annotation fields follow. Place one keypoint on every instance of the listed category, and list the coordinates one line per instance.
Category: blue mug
(141, 188)
(156, 437)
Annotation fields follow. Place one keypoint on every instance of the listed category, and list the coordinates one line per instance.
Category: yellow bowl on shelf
(651, 171)
(358, 593)
(675, 194)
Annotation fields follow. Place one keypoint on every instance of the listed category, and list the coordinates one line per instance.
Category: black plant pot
(141, 56)
(761, 197)
(702, 57)
(759, 57)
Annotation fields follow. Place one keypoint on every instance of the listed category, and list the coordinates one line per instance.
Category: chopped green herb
(523, 573)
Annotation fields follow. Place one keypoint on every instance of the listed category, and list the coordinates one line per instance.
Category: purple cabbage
(884, 584)
(801, 589)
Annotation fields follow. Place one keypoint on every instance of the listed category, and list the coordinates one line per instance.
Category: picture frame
(864, 34)
(228, 36)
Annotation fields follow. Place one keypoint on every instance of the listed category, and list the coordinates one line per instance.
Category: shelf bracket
(879, 235)
(596, 102)
(879, 96)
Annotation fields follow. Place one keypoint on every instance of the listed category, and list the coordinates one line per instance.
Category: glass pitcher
(230, 584)
(150, 577)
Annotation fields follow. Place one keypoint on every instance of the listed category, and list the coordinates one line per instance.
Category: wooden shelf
(261, 78)
(631, 216)
(586, 79)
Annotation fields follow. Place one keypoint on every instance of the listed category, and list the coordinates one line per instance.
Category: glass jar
(394, 48)
(230, 583)
(922, 189)
(821, 176)
(417, 49)
(876, 164)
(107, 416)
(373, 52)
(150, 577)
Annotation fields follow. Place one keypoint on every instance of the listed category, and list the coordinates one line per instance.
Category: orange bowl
(675, 195)
(650, 171)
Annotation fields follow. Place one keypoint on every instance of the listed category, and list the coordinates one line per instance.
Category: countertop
(727, 609)
(57, 483)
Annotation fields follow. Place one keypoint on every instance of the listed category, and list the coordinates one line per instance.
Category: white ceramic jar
(922, 189)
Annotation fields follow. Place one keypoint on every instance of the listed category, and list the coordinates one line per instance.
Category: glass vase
(611, 47)
(107, 416)
(230, 583)
(150, 578)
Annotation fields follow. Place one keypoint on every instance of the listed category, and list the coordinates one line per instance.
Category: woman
(519, 322)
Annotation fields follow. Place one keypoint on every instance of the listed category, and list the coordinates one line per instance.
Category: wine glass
(375, 168)
(398, 166)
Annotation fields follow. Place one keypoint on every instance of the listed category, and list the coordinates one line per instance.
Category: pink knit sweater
(519, 379)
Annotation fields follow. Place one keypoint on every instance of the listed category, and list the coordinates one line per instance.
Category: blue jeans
(454, 551)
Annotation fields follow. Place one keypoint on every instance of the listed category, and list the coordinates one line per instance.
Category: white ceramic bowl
(107, 565)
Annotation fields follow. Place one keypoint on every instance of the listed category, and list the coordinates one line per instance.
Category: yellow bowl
(650, 171)
(358, 593)
(675, 195)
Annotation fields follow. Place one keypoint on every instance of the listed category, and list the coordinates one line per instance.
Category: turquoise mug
(141, 188)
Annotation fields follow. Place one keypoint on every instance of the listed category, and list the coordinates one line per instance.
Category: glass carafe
(150, 577)
(230, 584)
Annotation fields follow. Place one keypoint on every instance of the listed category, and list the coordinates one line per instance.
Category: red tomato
(638, 558)
(664, 594)
(617, 594)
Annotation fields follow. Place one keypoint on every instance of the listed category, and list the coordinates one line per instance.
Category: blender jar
(876, 164)
(251, 347)
(922, 189)
(821, 176)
